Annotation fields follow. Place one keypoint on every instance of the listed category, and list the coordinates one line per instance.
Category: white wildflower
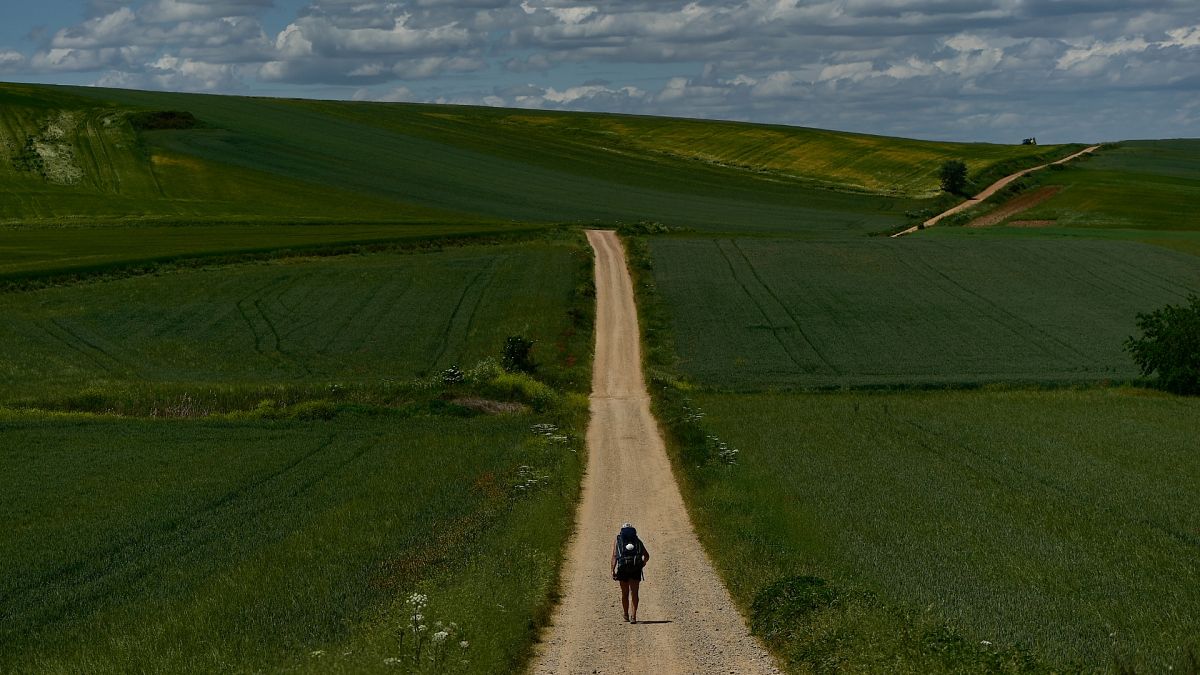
(464, 644)
(440, 637)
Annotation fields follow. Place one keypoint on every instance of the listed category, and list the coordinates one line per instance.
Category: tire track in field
(804, 367)
(250, 300)
(999, 311)
(93, 352)
(246, 316)
(286, 353)
(147, 542)
(786, 310)
(352, 317)
(473, 284)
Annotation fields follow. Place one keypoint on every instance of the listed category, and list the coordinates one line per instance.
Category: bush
(154, 120)
(1170, 346)
(518, 355)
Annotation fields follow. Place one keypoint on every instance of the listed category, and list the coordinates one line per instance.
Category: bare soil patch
(490, 407)
(1012, 207)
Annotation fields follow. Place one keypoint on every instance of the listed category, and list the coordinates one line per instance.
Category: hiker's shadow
(660, 621)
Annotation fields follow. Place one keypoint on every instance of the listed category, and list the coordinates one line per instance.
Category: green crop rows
(755, 313)
(340, 319)
(201, 546)
(960, 531)
(316, 468)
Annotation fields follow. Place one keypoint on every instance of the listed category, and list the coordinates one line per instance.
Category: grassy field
(207, 545)
(29, 254)
(357, 318)
(285, 159)
(752, 313)
(1008, 529)
(272, 461)
(1148, 185)
(957, 531)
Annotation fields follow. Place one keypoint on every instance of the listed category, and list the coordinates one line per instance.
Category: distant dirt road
(687, 621)
(991, 190)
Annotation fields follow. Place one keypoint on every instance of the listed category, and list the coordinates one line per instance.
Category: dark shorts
(635, 575)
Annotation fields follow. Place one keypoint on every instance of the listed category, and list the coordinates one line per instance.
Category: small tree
(518, 355)
(1170, 346)
(954, 176)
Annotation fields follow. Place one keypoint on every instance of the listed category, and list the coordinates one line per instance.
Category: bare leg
(633, 589)
(625, 598)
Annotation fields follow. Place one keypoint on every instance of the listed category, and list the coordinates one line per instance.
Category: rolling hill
(99, 154)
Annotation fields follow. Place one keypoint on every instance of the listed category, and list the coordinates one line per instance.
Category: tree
(954, 176)
(1170, 346)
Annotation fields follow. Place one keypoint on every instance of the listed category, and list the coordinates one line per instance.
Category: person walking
(629, 558)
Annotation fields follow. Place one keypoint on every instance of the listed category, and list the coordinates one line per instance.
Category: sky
(971, 70)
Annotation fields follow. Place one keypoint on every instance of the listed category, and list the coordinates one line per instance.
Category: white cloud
(11, 60)
(840, 62)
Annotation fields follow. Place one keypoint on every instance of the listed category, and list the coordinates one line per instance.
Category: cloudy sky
(990, 70)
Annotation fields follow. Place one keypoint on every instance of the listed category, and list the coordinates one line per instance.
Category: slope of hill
(1152, 185)
(70, 153)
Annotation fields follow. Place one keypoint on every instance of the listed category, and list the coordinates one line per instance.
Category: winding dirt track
(991, 190)
(687, 621)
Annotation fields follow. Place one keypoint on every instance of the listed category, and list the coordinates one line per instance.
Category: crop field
(772, 313)
(1151, 185)
(213, 545)
(29, 253)
(345, 162)
(958, 531)
(314, 468)
(340, 319)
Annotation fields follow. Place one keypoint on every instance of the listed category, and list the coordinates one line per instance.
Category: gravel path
(687, 622)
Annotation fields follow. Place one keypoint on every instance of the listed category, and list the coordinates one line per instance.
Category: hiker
(628, 558)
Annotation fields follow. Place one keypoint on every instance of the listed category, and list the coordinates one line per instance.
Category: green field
(29, 254)
(771, 313)
(357, 318)
(260, 159)
(231, 436)
(1059, 527)
(315, 467)
(1148, 185)
(200, 546)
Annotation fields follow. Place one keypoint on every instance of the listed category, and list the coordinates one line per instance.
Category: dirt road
(991, 190)
(687, 622)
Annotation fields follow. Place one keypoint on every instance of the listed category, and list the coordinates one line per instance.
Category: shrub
(523, 388)
(1170, 346)
(518, 355)
(163, 119)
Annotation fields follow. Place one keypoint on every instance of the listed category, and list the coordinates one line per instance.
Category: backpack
(629, 561)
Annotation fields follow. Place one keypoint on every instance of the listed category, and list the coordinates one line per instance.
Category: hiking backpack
(629, 561)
